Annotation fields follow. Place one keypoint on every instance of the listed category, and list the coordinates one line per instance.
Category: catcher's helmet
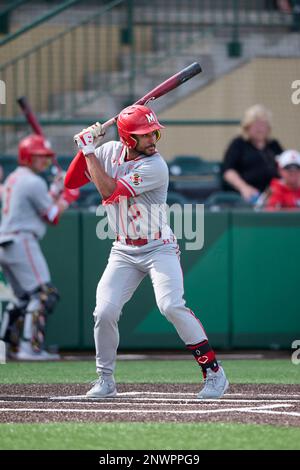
(137, 119)
(33, 145)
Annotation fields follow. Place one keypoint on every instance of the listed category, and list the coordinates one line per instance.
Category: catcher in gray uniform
(132, 178)
(27, 207)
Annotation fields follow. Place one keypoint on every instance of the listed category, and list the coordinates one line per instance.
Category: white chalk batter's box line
(83, 398)
(170, 397)
(164, 395)
(147, 401)
(295, 395)
(264, 409)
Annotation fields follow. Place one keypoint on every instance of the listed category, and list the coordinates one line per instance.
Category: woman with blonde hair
(249, 162)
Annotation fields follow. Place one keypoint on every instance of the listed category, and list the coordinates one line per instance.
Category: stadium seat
(194, 177)
(177, 198)
(8, 164)
(225, 200)
(89, 199)
(192, 164)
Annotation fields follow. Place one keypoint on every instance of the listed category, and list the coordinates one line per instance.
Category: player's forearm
(104, 183)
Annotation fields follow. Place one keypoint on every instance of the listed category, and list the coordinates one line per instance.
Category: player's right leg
(117, 284)
(166, 275)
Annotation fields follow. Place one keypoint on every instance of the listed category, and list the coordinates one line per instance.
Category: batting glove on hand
(96, 130)
(90, 138)
(85, 141)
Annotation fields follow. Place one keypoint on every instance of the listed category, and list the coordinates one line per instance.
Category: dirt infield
(261, 404)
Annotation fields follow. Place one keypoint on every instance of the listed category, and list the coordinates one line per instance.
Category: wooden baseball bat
(77, 174)
(34, 123)
(163, 88)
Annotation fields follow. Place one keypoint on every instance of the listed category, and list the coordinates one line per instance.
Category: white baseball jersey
(144, 180)
(26, 204)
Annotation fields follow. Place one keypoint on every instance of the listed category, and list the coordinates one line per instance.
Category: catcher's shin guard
(49, 296)
(34, 323)
(42, 302)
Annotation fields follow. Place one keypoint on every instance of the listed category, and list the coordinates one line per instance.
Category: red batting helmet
(137, 119)
(33, 145)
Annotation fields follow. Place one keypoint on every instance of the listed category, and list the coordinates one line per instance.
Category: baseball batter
(132, 178)
(27, 207)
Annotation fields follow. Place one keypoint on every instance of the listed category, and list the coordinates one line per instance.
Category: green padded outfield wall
(62, 249)
(94, 259)
(141, 323)
(243, 284)
(265, 279)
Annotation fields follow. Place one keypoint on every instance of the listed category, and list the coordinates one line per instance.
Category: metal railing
(20, 121)
(6, 12)
(38, 21)
(108, 51)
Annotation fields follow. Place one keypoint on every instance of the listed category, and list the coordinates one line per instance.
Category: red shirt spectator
(285, 192)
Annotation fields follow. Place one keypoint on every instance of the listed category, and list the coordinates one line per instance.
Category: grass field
(140, 436)
(276, 371)
(148, 436)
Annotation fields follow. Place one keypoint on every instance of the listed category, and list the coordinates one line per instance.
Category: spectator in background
(249, 162)
(284, 193)
(284, 6)
(292, 7)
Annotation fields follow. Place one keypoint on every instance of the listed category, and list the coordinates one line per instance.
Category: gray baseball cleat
(104, 387)
(215, 385)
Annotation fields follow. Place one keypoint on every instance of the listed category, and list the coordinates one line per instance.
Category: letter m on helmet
(150, 117)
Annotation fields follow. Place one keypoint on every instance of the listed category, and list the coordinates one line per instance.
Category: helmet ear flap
(128, 140)
(133, 142)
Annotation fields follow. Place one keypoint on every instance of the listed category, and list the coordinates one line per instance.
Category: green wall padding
(141, 324)
(61, 247)
(243, 285)
(265, 279)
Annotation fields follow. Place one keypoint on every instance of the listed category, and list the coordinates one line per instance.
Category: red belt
(138, 241)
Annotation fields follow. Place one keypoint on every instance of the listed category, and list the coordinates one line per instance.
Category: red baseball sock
(204, 355)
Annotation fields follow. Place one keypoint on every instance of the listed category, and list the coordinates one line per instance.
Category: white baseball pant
(123, 274)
